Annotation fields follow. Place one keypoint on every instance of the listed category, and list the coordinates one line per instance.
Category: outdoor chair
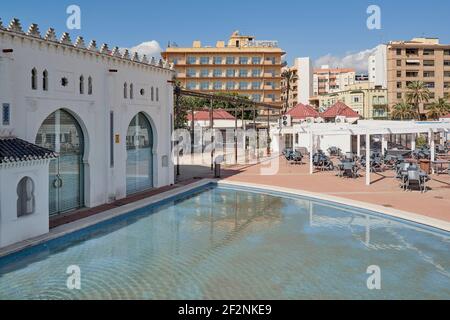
(334, 151)
(441, 149)
(401, 167)
(376, 165)
(321, 161)
(327, 164)
(349, 169)
(414, 178)
(296, 157)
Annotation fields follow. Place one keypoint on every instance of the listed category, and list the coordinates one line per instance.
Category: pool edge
(119, 211)
(390, 212)
(75, 226)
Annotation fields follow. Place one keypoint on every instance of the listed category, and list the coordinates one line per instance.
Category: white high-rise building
(305, 86)
(378, 66)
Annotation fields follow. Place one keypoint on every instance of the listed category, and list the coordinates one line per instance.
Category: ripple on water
(224, 244)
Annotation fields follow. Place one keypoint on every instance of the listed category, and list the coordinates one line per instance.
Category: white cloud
(149, 48)
(355, 60)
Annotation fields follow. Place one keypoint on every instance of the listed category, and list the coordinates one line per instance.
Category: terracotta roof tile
(218, 114)
(17, 150)
(302, 111)
(340, 109)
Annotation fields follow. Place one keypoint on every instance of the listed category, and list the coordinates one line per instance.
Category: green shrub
(421, 141)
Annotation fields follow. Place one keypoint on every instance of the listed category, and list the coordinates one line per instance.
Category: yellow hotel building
(246, 66)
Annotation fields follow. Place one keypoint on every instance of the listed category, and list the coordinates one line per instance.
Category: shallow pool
(224, 243)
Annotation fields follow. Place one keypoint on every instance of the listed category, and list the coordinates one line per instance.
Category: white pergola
(369, 128)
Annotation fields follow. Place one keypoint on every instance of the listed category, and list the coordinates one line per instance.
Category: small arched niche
(25, 197)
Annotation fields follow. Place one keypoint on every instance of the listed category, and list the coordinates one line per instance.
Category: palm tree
(438, 109)
(289, 76)
(418, 93)
(403, 111)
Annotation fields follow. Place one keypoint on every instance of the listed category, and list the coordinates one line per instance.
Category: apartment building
(368, 100)
(310, 84)
(329, 80)
(244, 65)
(293, 91)
(400, 62)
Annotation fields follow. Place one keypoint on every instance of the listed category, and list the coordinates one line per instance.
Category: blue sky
(324, 30)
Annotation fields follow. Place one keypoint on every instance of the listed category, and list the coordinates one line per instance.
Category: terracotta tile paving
(384, 191)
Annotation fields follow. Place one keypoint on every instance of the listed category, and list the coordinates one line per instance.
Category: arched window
(131, 91)
(81, 84)
(157, 94)
(34, 79)
(25, 197)
(90, 85)
(45, 80)
(152, 93)
(125, 90)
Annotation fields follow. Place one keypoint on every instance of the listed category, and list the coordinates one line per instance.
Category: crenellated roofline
(15, 29)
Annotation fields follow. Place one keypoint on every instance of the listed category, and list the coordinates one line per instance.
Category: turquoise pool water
(223, 243)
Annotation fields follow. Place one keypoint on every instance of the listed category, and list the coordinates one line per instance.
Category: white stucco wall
(29, 108)
(12, 228)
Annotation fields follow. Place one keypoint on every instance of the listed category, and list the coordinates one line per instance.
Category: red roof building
(339, 109)
(203, 115)
(447, 116)
(302, 112)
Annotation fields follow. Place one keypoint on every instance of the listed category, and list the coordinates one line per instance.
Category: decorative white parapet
(65, 39)
(93, 46)
(79, 43)
(104, 49)
(50, 35)
(116, 52)
(33, 31)
(126, 54)
(15, 26)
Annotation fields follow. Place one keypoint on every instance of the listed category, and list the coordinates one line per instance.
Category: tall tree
(289, 76)
(403, 111)
(418, 93)
(439, 108)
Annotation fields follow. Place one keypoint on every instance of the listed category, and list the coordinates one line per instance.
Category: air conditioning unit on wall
(310, 120)
(286, 121)
(340, 119)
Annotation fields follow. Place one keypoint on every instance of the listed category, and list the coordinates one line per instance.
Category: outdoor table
(440, 164)
(341, 167)
(404, 175)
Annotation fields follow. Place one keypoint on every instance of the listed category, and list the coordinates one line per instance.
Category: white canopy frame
(374, 128)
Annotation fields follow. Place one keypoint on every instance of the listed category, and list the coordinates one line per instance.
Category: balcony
(380, 115)
(379, 105)
(411, 62)
(270, 62)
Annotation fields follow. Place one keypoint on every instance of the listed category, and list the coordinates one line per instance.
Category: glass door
(61, 133)
(139, 155)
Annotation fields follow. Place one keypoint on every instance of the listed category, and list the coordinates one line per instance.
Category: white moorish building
(105, 114)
